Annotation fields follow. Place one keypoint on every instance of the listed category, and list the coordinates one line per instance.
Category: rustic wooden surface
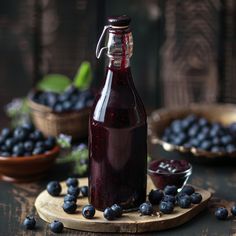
(17, 201)
(50, 208)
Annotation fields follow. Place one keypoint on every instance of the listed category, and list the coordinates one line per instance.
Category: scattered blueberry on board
(72, 182)
(221, 213)
(72, 99)
(109, 214)
(146, 208)
(198, 132)
(56, 226)
(29, 222)
(24, 140)
(166, 207)
(184, 201)
(118, 210)
(155, 196)
(69, 207)
(84, 191)
(233, 210)
(196, 198)
(73, 191)
(88, 211)
(54, 188)
(70, 198)
(170, 190)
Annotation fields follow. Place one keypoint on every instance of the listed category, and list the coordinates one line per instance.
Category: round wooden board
(50, 208)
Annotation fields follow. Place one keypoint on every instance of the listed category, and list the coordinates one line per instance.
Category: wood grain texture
(50, 208)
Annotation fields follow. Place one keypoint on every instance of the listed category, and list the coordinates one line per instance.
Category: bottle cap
(119, 21)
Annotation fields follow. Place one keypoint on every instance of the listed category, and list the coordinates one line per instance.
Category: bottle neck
(119, 63)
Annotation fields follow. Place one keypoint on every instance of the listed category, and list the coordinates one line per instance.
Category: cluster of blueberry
(24, 140)
(221, 213)
(198, 132)
(168, 198)
(72, 99)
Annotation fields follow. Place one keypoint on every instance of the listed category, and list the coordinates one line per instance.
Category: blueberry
(70, 198)
(38, 151)
(193, 131)
(18, 149)
(51, 99)
(36, 136)
(5, 154)
(230, 148)
(58, 108)
(216, 141)
(79, 105)
(170, 190)
(2, 140)
(146, 208)
(71, 90)
(63, 97)
(54, 188)
(226, 140)
(67, 105)
(84, 191)
(117, 209)
(29, 222)
(180, 139)
(166, 207)
(215, 149)
(189, 190)
(201, 137)
(6, 132)
(50, 142)
(72, 182)
(196, 198)
(73, 191)
(109, 214)
(88, 211)
(195, 142)
(69, 207)
(28, 126)
(169, 198)
(28, 146)
(27, 154)
(20, 134)
(39, 144)
(155, 196)
(176, 126)
(206, 145)
(221, 213)
(202, 122)
(180, 195)
(9, 143)
(233, 210)
(56, 226)
(184, 201)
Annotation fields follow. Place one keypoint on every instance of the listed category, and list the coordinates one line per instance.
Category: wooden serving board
(50, 208)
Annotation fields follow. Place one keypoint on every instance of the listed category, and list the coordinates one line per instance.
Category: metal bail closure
(98, 49)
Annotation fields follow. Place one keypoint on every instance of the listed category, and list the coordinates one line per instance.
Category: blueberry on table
(221, 213)
(233, 210)
(170, 190)
(155, 196)
(70, 198)
(88, 211)
(196, 198)
(189, 190)
(84, 191)
(54, 188)
(166, 207)
(109, 214)
(56, 226)
(169, 198)
(73, 191)
(184, 201)
(29, 222)
(118, 210)
(72, 182)
(69, 207)
(146, 208)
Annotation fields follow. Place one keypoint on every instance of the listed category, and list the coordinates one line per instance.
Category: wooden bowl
(73, 123)
(161, 119)
(27, 169)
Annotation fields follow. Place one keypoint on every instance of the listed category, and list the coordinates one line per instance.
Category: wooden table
(17, 200)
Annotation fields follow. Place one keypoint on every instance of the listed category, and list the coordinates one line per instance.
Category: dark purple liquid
(117, 144)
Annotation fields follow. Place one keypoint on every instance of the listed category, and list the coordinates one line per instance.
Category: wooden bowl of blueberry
(199, 132)
(56, 113)
(25, 154)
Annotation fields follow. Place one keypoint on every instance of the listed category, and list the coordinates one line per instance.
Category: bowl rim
(152, 172)
(21, 159)
(156, 139)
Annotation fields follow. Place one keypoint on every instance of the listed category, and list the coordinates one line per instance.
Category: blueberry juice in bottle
(117, 127)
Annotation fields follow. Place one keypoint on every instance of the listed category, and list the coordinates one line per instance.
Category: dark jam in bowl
(169, 172)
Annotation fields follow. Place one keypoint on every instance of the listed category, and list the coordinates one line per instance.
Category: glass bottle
(117, 127)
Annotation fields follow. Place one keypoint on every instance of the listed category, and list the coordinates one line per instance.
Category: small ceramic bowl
(27, 169)
(161, 180)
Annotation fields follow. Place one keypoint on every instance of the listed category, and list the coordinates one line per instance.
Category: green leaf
(54, 83)
(83, 77)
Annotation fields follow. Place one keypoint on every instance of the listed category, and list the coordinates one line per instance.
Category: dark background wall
(184, 50)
